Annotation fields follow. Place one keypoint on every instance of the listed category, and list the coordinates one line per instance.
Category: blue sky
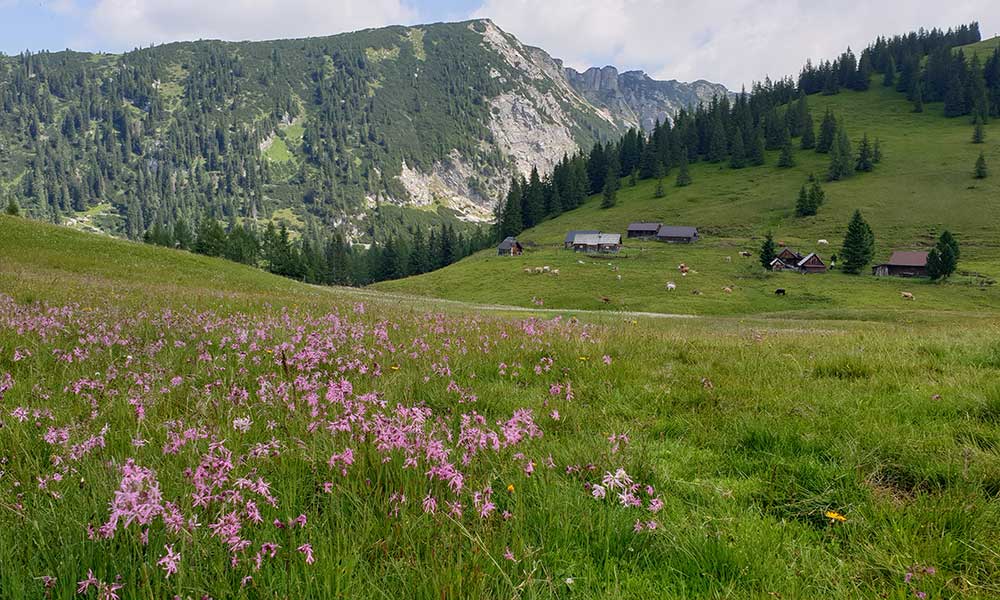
(730, 41)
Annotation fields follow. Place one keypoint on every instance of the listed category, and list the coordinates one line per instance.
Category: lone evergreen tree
(808, 134)
(859, 245)
(803, 207)
(942, 260)
(13, 209)
(785, 159)
(979, 132)
(981, 171)
(827, 133)
(866, 161)
(840, 157)
(610, 194)
(683, 173)
(767, 251)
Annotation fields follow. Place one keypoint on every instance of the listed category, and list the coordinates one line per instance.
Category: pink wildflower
(509, 555)
(308, 551)
(170, 560)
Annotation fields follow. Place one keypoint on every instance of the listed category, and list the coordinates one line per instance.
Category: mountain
(637, 99)
(366, 134)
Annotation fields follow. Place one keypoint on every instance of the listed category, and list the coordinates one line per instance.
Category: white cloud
(730, 41)
(128, 23)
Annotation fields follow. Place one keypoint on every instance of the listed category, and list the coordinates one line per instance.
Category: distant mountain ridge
(364, 134)
(636, 98)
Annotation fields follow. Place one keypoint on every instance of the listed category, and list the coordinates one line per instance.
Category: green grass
(749, 429)
(983, 49)
(923, 185)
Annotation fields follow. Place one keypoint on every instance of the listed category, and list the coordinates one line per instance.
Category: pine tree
(889, 77)
(816, 195)
(942, 260)
(808, 134)
(827, 133)
(918, 97)
(756, 155)
(182, 234)
(979, 132)
(865, 162)
(13, 209)
(767, 251)
(533, 201)
(954, 98)
(737, 155)
(803, 207)
(658, 175)
(859, 245)
(786, 159)
(877, 152)
(981, 171)
(683, 173)
(609, 197)
(840, 157)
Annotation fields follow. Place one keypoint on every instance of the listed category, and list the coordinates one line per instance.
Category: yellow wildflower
(510, 488)
(835, 516)
(584, 358)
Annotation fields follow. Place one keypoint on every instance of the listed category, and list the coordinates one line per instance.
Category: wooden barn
(790, 260)
(811, 263)
(603, 243)
(903, 264)
(643, 230)
(568, 242)
(509, 247)
(677, 234)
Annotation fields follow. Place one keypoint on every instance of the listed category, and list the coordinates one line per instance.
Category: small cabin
(789, 256)
(509, 247)
(903, 264)
(643, 230)
(677, 234)
(811, 263)
(568, 242)
(602, 243)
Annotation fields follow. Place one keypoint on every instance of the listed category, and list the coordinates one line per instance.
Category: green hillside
(180, 425)
(924, 184)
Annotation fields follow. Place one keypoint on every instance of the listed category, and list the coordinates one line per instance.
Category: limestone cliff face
(636, 98)
(544, 112)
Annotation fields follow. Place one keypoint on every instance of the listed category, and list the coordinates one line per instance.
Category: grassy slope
(923, 185)
(749, 430)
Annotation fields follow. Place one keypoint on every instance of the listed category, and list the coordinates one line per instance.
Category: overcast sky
(730, 41)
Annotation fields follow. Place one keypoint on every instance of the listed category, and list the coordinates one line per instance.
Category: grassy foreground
(923, 185)
(176, 425)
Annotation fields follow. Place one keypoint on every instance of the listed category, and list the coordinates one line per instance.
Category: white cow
(671, 286)
(822, 242)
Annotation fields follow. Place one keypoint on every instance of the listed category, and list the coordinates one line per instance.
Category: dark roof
(572, 234)
(677, 231)
(645, 226)
(908, 259)
(507, 243)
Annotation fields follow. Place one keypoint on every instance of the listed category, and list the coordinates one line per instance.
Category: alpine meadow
(420, 312)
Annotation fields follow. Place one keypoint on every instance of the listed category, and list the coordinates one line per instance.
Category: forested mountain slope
(368, 134)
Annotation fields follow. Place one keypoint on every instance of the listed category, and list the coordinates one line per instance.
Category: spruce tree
(737, 155)
(827, 133)
(840, 157)
(865, 162)
(767, 251)
(786, 159)
(918, 97)
(658, 175)
(803, 207)
(13, 209)
(979, 132)
(816, 195)
(859, 245)
(756, 154)
(808, 134)
(981, 171)
(609, 197)
(683, 173)
(942, 260)
(889, 77)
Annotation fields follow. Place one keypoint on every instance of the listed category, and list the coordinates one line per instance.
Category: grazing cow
(781, 243)
(729, 259)
(695, 292)
(906, 295)
(745, 254)
(527, 270)
(671, 286)
(538, 270)
(619, 277)
(555, 271)
(546, 268)
(779, 292)
(822, 243)
(605, 299)
(727, 290)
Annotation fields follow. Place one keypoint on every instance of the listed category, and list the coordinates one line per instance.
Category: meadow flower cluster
(180, 428)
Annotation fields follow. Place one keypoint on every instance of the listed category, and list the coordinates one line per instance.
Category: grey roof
(677, 231)
(807, 257)
(573, 234)
(644, 226)
(597, 239)
(507, 243)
